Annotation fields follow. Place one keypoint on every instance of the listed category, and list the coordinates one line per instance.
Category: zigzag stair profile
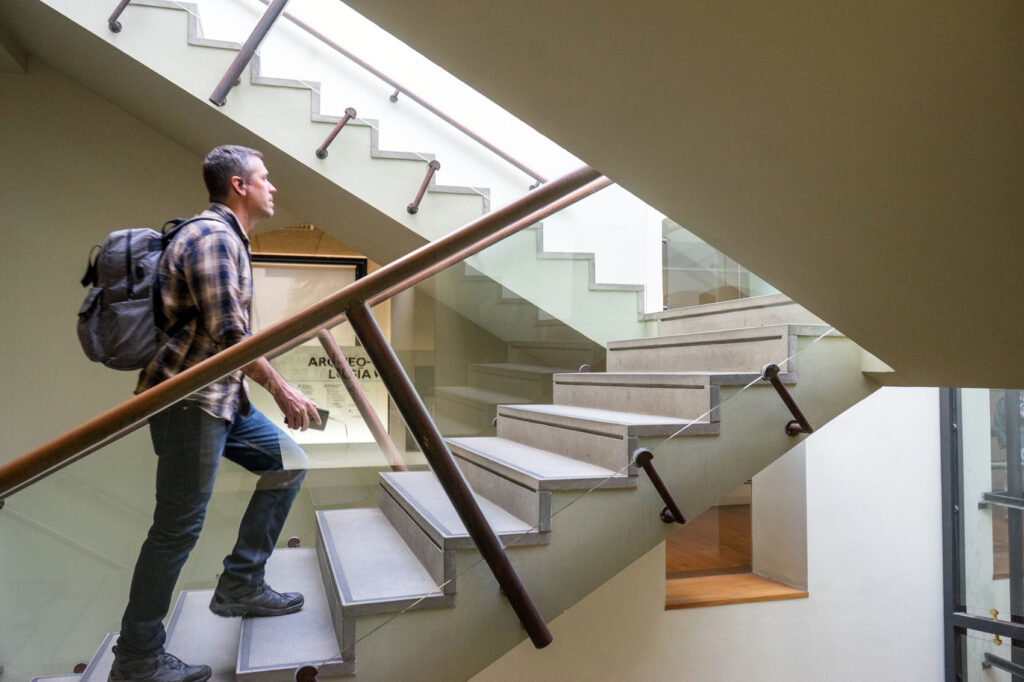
(411, 554)
(383, 179)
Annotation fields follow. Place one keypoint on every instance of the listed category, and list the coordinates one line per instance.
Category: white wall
(874, 571)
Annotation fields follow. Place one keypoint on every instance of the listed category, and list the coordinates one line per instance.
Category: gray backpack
(121, 322)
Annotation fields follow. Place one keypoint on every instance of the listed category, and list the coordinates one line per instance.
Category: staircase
(558, 486)
(166, 39)
(683, 371)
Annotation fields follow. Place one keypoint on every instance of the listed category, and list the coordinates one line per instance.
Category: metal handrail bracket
(799, 423)
(112, 21)
(244, 56)
(644, 459)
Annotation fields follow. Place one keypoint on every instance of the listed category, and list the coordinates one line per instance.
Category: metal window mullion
(952, 530)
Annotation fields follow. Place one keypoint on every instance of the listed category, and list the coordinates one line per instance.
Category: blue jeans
(189, 443)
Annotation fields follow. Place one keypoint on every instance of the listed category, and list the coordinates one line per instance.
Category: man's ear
(238, 185)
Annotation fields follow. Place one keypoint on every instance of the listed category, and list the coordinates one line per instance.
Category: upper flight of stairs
(165, 37)
(557, 484)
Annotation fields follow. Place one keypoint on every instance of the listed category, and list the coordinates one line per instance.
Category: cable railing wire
(619, 473)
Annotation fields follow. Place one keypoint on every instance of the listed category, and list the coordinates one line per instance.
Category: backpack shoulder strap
(167, 234)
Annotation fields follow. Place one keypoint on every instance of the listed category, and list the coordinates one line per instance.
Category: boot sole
(247, 611)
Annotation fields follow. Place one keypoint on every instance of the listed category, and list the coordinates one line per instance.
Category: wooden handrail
(288, 333)
(401, 89)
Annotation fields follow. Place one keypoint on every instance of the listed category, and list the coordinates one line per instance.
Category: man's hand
(296, 407)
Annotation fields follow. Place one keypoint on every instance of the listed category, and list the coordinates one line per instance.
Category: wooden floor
(718, 541)
(718, 590)
(708, 563)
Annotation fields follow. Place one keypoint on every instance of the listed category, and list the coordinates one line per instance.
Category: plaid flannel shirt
(205, 267)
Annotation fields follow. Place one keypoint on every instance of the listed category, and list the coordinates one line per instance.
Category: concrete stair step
(469, 410)
(680, 394)
(756, 311)
(729, 350)
(57, 678)
(370, 567)
(475, 396)
(421, 496)
(98, 669)
(612, 422)
(570, 354)
(690, 395)
(535, 468)
(197, 635)
(604, 438)
(272, 649)
(516, 379)
(519, 369)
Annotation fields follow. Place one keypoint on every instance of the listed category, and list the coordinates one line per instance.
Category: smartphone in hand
(323, 420)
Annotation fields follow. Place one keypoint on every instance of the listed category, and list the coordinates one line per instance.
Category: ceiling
(866, 158)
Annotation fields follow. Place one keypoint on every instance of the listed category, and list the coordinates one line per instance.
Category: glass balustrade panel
(695, 273)
(992, 510)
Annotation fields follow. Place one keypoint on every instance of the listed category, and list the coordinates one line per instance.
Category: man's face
(259, 195)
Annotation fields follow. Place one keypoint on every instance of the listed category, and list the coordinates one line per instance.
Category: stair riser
(551, 355)
(528, 505)
(748, 355)
(344, 626)
(784, 313)
(684, 403)
(602, 450)
(530, 385)
(271, 649)
(457, 417)
(440, 564)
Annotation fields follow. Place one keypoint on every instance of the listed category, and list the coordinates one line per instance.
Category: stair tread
(601, 415)
(720, 378)
(520, 368)
(477, 394)
(197, 635)
(284, 643)
(421, 492)
(598, 414)
(99, 667)
(545, 470)
(609, 422)
(371, 561)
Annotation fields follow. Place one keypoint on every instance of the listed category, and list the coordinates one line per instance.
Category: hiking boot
(256, 602)
(163, 667)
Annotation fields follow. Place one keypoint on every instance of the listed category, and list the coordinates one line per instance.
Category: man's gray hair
(225, 162)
